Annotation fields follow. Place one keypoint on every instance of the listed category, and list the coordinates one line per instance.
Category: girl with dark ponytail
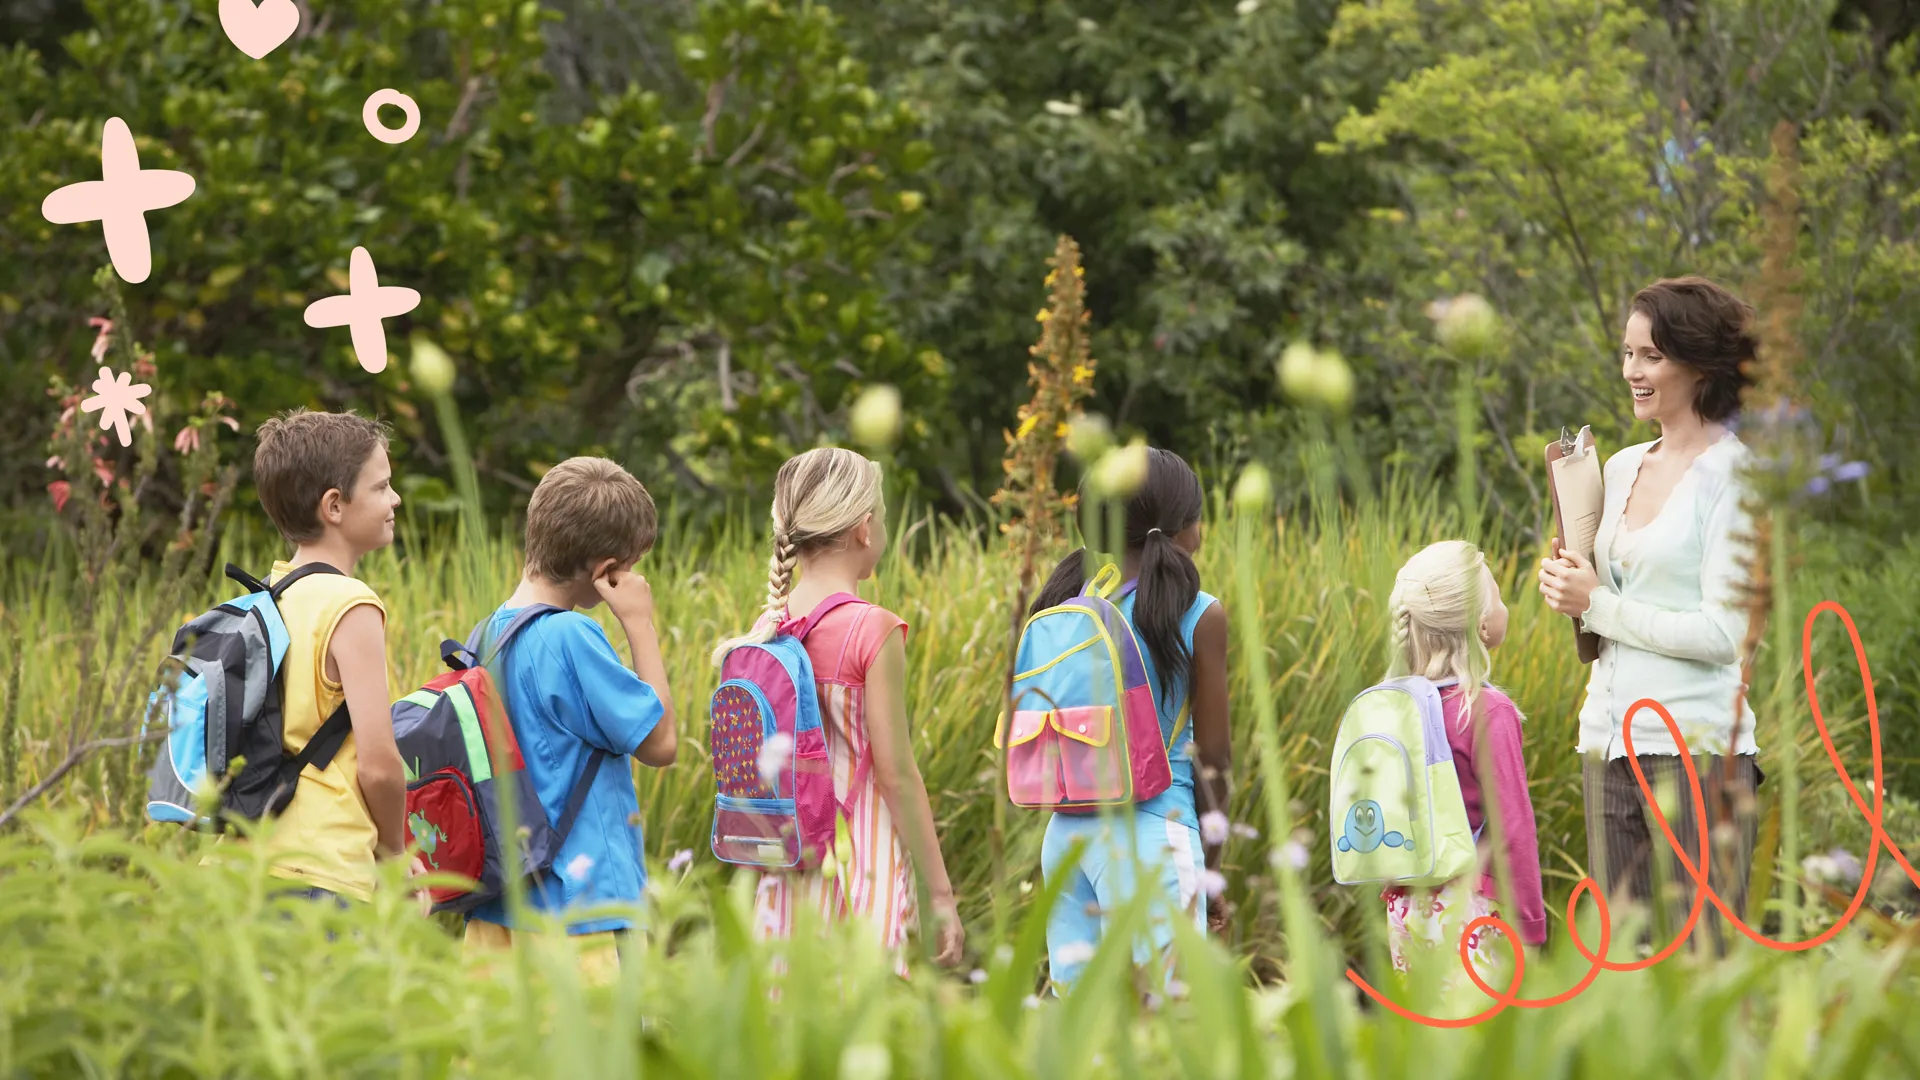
(1179, 833)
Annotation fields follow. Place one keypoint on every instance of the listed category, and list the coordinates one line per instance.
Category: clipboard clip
(1566, 442)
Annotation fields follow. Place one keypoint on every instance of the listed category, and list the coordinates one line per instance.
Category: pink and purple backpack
(1085, 731)
(766, 711)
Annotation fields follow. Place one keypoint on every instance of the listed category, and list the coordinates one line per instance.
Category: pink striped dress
(877, 887)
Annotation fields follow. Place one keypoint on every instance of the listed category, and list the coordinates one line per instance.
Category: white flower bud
(1254, 490)
(875, 416)
(432, 367)
(1468, 325)
(1120, 471)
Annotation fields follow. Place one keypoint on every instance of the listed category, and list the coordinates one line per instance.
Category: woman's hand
(1568, 582)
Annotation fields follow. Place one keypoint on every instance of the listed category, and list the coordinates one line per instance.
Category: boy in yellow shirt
(325, 480)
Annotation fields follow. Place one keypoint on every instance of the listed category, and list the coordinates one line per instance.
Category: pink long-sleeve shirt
(1498, 759)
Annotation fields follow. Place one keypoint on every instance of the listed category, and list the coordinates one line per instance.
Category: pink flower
(1212, 882)
(187, 441)
(61, 491)
(680, 861)
(102, 338)
(773, 757)
(1213, 828)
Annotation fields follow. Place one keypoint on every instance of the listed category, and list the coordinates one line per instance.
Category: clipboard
(1578, 492)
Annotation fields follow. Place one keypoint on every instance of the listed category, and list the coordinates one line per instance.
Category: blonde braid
(1402, 659)
(786, 555)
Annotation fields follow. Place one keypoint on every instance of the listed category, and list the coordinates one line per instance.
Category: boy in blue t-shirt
(569, 695)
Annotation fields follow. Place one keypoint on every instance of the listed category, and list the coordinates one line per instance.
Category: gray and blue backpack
(219, 700)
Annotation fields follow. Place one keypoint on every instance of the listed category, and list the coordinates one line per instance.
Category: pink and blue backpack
(766, 705)
(1085, 732)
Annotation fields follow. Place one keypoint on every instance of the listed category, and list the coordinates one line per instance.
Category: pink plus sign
(366, 303)
(119, 201)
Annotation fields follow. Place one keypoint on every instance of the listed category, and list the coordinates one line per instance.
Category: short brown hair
(586, 509)
(301, 456)
(1710, 330)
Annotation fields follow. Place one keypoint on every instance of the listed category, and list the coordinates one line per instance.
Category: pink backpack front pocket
(1067, 756)
(1033, 761)
(1093, 766)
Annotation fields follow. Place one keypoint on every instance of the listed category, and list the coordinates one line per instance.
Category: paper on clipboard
(1574, 478)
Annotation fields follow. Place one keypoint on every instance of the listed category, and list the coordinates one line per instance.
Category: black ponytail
(1063, 584)
(1167, 504)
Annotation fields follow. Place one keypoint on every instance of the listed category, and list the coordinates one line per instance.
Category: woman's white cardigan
(1672, 631)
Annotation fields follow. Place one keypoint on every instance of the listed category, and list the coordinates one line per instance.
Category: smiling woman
(1660, 592)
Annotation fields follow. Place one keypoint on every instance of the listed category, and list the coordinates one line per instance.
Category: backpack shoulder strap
(252, 584)
(324, 744)
(577, 798)
(514, 626)
(279, 588)
(820, 612)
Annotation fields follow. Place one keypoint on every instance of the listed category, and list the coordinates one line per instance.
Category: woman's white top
(1667, 610)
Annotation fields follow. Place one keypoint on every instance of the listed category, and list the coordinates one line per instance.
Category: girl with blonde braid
(828, 528)
(1443, 631)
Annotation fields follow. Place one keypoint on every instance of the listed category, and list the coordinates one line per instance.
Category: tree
(694, 286)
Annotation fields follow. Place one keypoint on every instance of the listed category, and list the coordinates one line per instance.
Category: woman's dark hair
(1165, 505)
(1709, 330)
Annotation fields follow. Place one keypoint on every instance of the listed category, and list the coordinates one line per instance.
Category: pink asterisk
(117, 399)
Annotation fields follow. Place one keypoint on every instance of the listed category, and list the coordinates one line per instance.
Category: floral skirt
(1424, 926)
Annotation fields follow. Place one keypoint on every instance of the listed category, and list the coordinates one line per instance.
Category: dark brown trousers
(1624, 839)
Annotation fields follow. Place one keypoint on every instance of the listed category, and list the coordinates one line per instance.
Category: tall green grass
(1318, 590)
(125, 959)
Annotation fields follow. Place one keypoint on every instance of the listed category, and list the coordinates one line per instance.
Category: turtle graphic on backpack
(1394, 798)
(219, 700)
(1085, 731)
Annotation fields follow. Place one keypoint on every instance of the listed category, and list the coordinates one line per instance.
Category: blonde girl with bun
(828, 534)
(1447, 617)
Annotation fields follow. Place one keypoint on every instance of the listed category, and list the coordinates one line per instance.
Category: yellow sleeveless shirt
(325, 837)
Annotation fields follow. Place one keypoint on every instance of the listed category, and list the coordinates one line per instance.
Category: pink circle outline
(370, 116)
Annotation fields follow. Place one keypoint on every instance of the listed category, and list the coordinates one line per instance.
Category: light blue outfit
(568, 694)
(1165, 837)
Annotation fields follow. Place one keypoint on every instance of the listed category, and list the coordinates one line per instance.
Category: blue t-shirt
(568, 693)
(1177, 803)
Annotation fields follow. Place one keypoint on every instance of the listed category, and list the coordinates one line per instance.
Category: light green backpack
(1394, 804)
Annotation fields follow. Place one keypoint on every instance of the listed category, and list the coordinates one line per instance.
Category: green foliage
(685, 233)
(1556, 155)
(1320, 583)
(134, 958)
(589, 277)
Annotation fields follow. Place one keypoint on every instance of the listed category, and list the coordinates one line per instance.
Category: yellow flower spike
(1042, 316)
